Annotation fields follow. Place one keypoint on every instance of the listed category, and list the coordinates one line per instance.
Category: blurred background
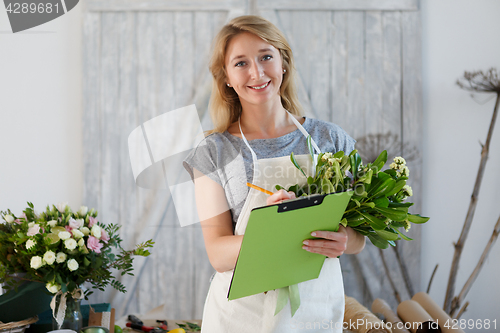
(73, 89)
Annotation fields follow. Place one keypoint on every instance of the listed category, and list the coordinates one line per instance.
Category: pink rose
(92, 221)
(18, 221)
(32, 231)
(94, 245)
(104, 236)
(68, 228)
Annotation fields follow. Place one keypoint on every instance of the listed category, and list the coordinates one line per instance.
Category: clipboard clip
(303, 202)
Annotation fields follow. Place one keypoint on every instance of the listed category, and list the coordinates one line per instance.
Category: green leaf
(403, 235)
(393, 214)
(380, 161)
(415, 218)
(399, 185)
(400, 204)
(387, 234)
(376, 223)
(383, 188)
(356, 220)
(381, 202)
(292, 158)
(309, 145)
(378, 241)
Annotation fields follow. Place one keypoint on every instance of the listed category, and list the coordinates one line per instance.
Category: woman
(257, 122)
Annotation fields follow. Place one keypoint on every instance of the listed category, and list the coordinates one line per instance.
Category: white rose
(85, 231)
(77, 234)
(70, 244)
(53, 288)
(64, 235)
(30, 243)
(96, 231)
(60, 257)
(83, 210)
(36, 262)
(31, 224)
(49, 257)
(80, 222)
(52, 223)
(62, 206)
(81, 242)
(9, 218)
(72, 265)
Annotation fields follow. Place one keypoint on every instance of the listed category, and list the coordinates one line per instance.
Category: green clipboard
(271, 254)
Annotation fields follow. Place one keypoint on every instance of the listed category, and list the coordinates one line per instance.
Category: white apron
(321, 300)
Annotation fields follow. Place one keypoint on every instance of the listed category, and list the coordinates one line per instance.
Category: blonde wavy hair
(225, 106)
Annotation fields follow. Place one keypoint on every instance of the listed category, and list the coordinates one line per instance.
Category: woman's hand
(334, 244)
(279, 196)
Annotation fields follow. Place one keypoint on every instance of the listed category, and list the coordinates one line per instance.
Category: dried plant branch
(404, 270)
(388, 273)
(458, 300)
(462, 310)
(477, 81)
(432, 278)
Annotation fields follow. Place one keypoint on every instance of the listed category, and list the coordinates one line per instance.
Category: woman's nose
(256, 71)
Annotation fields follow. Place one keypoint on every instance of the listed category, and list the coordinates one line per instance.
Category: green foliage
(40, 245)
(377, 208)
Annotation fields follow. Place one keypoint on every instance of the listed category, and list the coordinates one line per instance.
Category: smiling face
(254, 70)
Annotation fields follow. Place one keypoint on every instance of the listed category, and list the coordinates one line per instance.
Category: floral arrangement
(63, 249)
(377, 208)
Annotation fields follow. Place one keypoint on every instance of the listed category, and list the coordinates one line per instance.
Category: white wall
(41, 132)
(40, 113)
(459, 35)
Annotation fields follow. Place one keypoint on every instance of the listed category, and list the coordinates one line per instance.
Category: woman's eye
(267, 57)
(239, 64)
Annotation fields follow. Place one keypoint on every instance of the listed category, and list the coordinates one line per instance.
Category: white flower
(52, 223)
(81, 242)
(85, 231)
(49, 257)
(96, 231)
(405, 172)
(62, 206)
(399, 160)
(64, 235)
(77, 234)
(72, 265)
(70, 244)
(30, 243)
(53, 288)
(61, 257)
(9, 218)
(408, 190)
(75, 224)
(83, 210)
(31, 224)
(393, 166)
(326, 156)
(36, 262)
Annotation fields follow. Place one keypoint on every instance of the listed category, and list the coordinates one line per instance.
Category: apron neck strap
(295, 121)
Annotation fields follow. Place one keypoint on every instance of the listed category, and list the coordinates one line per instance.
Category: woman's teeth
(261, 87)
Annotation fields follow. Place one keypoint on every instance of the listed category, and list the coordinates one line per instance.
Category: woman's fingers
(329, 243)
(280, 196)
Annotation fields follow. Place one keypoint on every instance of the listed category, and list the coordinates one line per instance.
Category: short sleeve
(204, 159)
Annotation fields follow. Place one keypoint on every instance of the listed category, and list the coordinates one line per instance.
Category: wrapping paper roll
(392, 319)
(359, 319)
(416, 319)
(438, 314)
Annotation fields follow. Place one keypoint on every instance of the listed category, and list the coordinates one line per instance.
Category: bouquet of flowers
(63, 249)
(377, 208)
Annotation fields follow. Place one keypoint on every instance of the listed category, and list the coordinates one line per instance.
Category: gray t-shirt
(227, 160)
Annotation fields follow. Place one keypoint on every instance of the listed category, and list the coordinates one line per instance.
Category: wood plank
(374, 74)
(412, 132)
(355, 112)
(391, 111)
(361, 5)
(339, 69)
(110, 129)
(160, 5)
(91, 109)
